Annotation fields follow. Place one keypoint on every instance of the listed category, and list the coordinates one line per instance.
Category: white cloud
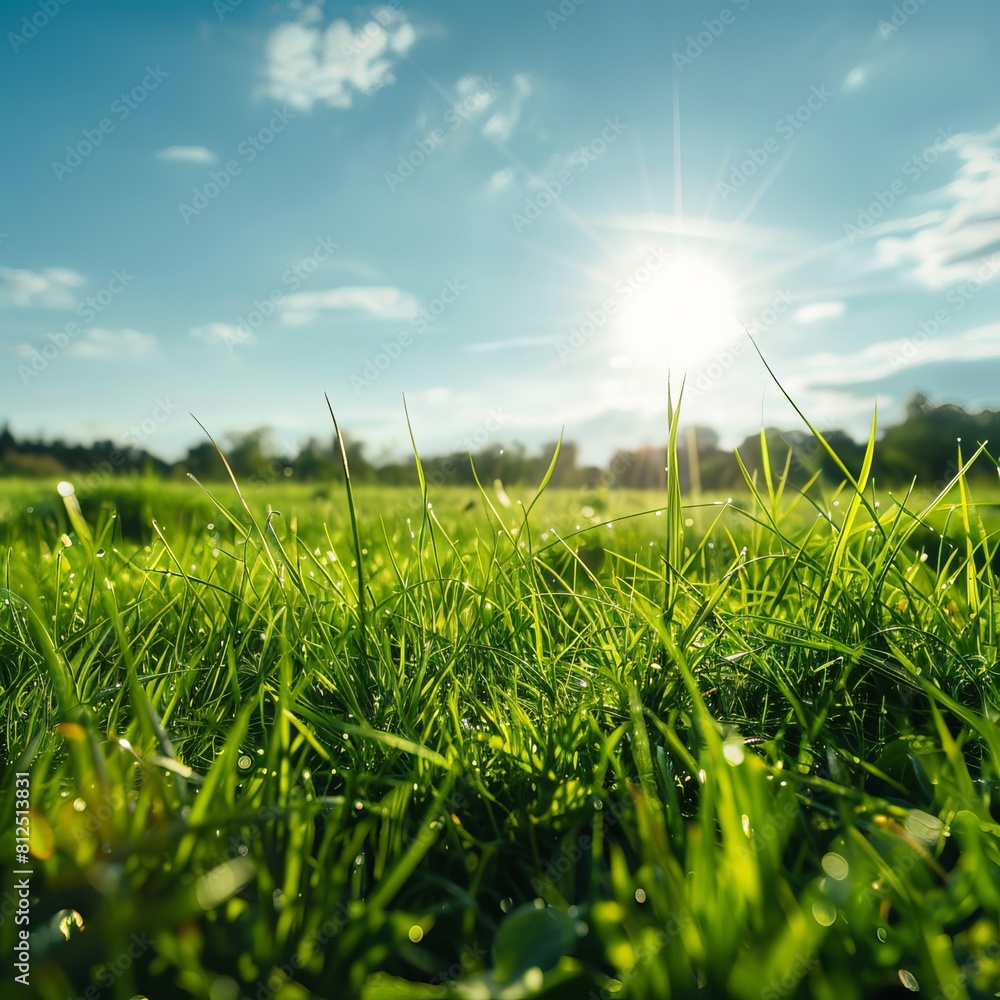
(309, 64)
(948, 246)
(113, 345)
(855, 78)
(475, 95)
(186, 154)
(501, 124)
(45, 289)
(500, 181)
(512, 343)
(223, 333)
(379, 302)
(878, 361)
(433, 396)
(816, 311)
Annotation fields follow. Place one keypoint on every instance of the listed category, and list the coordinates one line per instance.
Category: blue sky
(521, 215)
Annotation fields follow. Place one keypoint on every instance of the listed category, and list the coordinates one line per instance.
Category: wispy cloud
(818, 311)
(378, 301)
(500, 181)
(113, 345)
(223, 334)
(947, 246)
(186, 154)
(45, 289)
(308, 64)
(500, 125)
(475, 95)
(878, 361)
(855, 78)
(513, 343)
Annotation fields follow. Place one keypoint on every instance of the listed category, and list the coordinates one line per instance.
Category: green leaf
(532, 938)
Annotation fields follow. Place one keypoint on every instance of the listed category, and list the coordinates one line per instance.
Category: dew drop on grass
(824, 912)
(923, 826)
(908, 979)
(836, 866)
(640, 895)
(534, 979)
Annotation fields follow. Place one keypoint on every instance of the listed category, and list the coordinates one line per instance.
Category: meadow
(293, 742)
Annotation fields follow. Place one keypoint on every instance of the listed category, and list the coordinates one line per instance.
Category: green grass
(515, 746)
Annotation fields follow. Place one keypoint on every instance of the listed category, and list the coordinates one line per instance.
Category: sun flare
(677, 310)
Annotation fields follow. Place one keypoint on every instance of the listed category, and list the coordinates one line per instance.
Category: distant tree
(849, 451)
(203, 462)
(641, 469)
(925, 445)
(317, 461)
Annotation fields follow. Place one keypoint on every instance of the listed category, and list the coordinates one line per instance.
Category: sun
(677, 310)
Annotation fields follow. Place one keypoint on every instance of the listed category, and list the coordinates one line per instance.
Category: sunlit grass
(480, 744)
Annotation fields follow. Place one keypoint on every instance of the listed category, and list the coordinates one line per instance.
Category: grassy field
(465, 744)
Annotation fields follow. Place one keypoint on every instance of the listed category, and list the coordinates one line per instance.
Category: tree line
(924, 445)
